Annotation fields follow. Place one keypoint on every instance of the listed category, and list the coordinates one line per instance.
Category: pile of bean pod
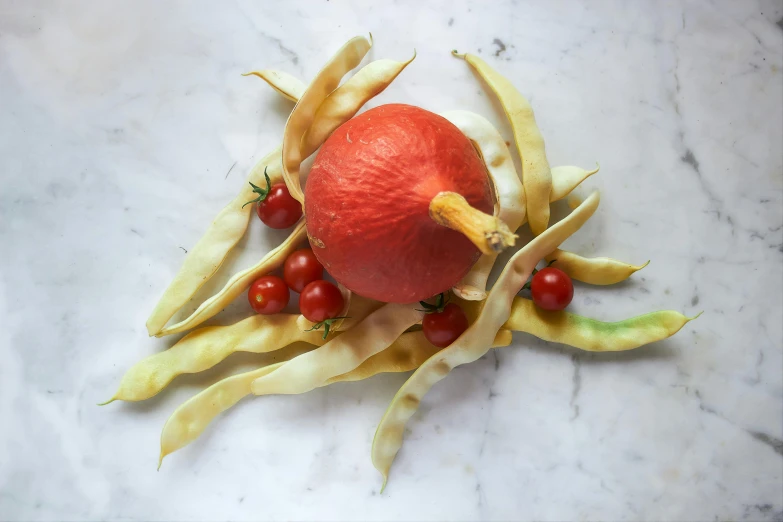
(371, 337)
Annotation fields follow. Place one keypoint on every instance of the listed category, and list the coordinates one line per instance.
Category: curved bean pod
(590, 334)
(593, 270)
(301, 118)
(476, 340)
(510, 206)
(566, 179)
(342, 354)
(536, 175)
(289, 86)
(204, 259)
(204, 348)
(342, 104)
(192, 417)
(239, 282)
(407, 353)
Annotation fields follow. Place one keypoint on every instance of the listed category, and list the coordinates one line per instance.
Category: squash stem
(488, 233)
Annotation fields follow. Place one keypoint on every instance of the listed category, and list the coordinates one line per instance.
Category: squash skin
(367, 203)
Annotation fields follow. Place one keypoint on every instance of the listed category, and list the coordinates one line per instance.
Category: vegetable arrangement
(407, 211)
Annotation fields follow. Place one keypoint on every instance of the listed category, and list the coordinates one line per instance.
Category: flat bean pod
(192, 417)
(342, 354)
(567, 178)
(240, 282)
(344, 102)
(510, 205)
(590, 334)
(206, 256)
(592, 270)
(476, 340)
(204, 348)
(303, 115)
(289, 86)
(564, 181)
(407, 353)
(536, 174)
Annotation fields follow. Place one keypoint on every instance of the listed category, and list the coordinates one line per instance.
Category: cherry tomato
(279, 209)
(321, 300)
(268, 295)
(443, 328)
(551, 289)
(302, 268)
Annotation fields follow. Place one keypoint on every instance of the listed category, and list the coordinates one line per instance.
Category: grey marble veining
(125, 126)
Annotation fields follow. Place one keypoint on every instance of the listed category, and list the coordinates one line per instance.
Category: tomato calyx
(326, 324)
(262, 193)
(440, 303)
(526, 286)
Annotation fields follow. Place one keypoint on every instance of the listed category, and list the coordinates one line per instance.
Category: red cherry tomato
(443, 328)
(268, 295)
(302, 268)
(551, 289)
(279, 209)
(321, 300)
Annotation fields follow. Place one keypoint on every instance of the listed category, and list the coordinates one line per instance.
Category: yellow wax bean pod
(342, 354)
(536, 175)
(476, 340)
(592, 270)
(565, 179)
(590, 334)
(510, 205)
(204, 259)
(343, 103)
(286, 84)
(406, 354)
(204, 348)
(240, 282)
(303, 115)
(192, 417)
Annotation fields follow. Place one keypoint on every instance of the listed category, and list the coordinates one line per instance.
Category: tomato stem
(440, 303)
(262, 193)
(326, 324)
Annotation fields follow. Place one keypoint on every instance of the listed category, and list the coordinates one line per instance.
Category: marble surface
(125, 126)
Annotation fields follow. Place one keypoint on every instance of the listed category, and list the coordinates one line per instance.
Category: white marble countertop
(119, 126)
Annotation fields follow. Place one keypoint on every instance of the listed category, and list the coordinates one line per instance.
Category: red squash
(367, 203)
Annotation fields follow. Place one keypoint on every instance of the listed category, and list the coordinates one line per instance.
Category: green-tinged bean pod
(192, 417)
(592, 270)
(590, 334)
(476, 340)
